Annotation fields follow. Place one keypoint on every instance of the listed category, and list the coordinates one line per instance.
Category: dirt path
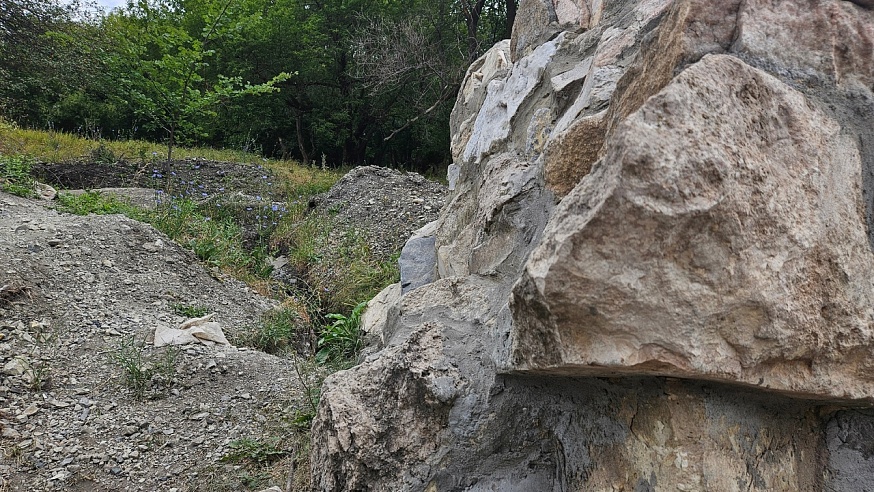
(73, 290)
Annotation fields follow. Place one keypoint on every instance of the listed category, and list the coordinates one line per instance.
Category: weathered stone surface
(851, 450)
(535, 23)
(493, 64)
(418, 260)
(393, 442)
(376, 315)
(642, 190)
(722, 237)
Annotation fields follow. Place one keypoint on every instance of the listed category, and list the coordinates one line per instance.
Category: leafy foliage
(93, 202)
(163, 64)
(341, 340)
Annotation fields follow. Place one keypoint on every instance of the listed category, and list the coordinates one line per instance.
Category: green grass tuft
(143, 372)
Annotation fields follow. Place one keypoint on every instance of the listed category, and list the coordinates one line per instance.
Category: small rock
(45, 191)
(55, 242)
(158, 245)
(10, 433)
(15, 367)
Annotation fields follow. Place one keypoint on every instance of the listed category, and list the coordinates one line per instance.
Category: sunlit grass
(57, 147)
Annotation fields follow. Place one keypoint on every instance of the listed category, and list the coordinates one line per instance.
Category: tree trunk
(305, 157)
(511, 17)
(171, 141)
(472, 15)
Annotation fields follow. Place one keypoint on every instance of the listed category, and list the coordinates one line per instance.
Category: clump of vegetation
(61, 146)
(15, 175)
(143, 372)
(102, 154)
(190, 311)
(94, 202)
(254, 451)
(341, 340)
(349, 274)
(281, 330)
(38, 375)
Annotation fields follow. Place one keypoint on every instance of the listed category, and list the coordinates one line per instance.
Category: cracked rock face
(654, 272)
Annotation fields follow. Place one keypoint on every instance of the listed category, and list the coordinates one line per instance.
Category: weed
(310, 379)
(15, 175)
(38, 376)
(255, 480)
(190, 311)
(341, 340)
(281, 329)
(142, 372)
(254, 451)
(303, 236)
(102, 154)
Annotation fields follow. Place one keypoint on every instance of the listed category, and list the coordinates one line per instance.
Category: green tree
(48, 51)
(163, 65)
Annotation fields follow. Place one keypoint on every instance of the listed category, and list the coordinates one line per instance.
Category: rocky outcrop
(654, 272)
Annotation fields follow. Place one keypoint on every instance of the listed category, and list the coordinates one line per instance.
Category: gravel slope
(71, 290)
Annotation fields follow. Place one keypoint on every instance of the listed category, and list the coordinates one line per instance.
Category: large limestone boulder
(721, 237)
(654, 271)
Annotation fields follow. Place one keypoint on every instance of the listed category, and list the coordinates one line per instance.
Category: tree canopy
(342, 81)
